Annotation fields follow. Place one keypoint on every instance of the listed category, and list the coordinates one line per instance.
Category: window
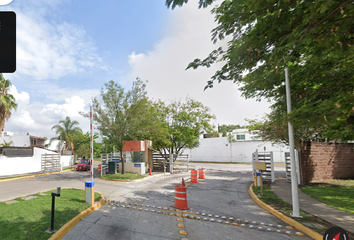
(240, 137)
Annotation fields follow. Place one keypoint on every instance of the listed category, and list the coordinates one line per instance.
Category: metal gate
(162, 162)
(288, 166)
(266, 157)
(104, 163)
(109, 157)
(50, 163)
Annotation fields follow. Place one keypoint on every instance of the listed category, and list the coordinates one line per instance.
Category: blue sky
(68, 49)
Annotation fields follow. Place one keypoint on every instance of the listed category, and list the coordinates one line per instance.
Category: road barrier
(194, 176)
(181, 196)
(201, 173)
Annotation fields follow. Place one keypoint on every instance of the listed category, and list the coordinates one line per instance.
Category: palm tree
(7, 102)
(65, 130)
(6, 144)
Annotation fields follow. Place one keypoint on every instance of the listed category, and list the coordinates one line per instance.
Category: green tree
(224, 128)
(84, 140)
(7, 101)
(313, 38)
(184, 122)
(64, 131)
(119, 113)
(84, 151)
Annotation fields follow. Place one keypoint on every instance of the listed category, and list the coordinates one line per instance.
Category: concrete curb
(137, 180)
(284, 218)
(69, 225)
(32, 176)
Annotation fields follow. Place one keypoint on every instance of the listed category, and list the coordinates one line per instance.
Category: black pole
(57, 194)
(53, 204)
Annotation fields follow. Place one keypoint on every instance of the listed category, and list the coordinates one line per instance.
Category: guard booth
(138, 156)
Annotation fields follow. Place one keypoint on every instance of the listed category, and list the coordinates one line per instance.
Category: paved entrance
(220, 208)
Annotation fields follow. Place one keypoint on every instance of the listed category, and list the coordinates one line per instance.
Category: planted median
(123, 177)
(30, 218)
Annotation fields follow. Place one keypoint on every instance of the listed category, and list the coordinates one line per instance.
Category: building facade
(221, 149)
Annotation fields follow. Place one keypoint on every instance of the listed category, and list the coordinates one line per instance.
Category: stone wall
(321, 161)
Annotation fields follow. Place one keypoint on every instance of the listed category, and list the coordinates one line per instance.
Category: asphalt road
(222, 193)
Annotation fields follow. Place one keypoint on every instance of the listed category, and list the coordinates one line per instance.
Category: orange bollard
(99, 168)
(201, 173)
(150, 172)
(194, 176)
(181, 197)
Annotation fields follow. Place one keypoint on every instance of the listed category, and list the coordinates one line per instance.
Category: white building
(21, 140)
(31, 141)
(220, 149)
(244, 135)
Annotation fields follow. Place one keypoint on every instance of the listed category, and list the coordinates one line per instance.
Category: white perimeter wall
(220, 150)
(66, 160)
(22, 165)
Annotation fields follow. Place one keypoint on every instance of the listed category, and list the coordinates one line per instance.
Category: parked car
(83, 165)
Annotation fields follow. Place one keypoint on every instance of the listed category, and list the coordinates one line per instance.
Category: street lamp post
(294, 187)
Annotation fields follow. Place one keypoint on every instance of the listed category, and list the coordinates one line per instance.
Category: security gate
(180, 162)
(266, 157)
(288, 166)
(109, 157)
(50, 163)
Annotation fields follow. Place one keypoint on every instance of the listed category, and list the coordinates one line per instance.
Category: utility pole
(294, 186)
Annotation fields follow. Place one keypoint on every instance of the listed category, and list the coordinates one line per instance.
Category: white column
(294, 187)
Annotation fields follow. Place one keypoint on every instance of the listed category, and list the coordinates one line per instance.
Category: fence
(105, 158)
(50, 163)
(266, 157)
(288, 166)
(161, 162)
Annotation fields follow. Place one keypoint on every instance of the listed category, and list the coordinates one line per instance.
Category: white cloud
(22, 98)
(4, 2)
(52, 50)
(38, 118)
(47, 50)
(164, 67)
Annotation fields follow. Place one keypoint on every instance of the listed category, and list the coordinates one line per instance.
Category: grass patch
(69, 168)
(126, 176)
(336, 193)
(9, 178)
(29, 219)
(285, 208)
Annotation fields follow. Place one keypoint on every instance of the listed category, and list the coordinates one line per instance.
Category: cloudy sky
(68, 49)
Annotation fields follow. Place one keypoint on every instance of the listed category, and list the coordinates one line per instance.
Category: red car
(84, 165)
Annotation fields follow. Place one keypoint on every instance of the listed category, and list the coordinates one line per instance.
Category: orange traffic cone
(150, 172)
(181, 197)
(194, 176)
(201, 173)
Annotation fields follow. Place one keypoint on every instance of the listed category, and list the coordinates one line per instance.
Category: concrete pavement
(219, 195)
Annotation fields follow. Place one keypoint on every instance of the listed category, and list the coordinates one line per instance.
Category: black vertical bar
(7, 42)
(52, 220)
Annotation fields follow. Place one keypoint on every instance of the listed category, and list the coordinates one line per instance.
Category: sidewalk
(342, 219)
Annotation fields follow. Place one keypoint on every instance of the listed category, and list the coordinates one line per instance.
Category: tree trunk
(121, 157)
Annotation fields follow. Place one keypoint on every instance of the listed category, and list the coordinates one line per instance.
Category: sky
(68, 49)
